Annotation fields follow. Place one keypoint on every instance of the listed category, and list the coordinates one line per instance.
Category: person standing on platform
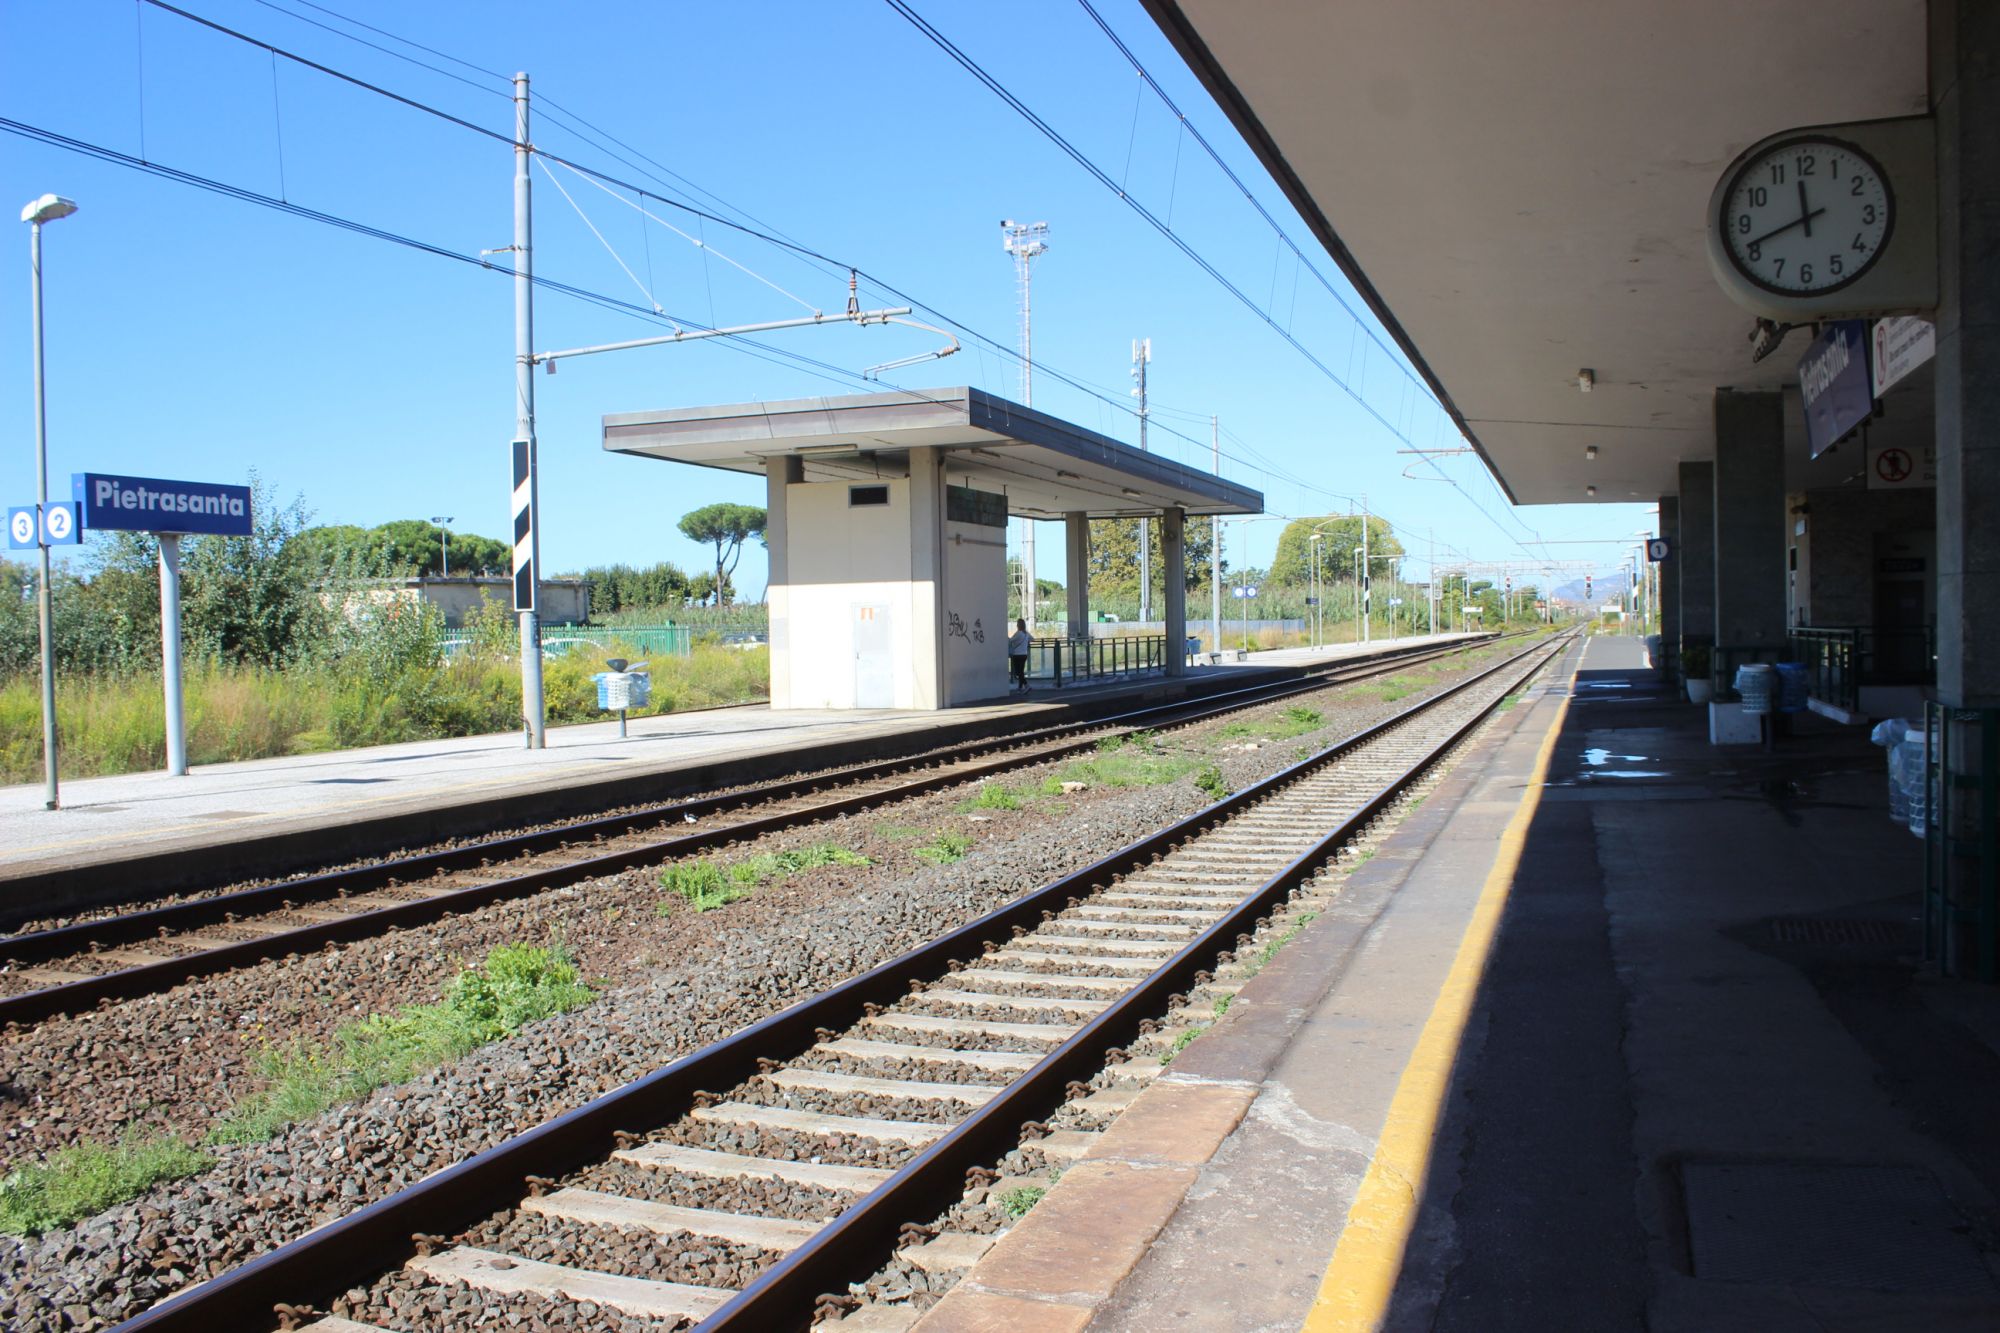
(1017, 654)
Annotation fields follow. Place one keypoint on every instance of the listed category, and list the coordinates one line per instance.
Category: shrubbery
(289, 648)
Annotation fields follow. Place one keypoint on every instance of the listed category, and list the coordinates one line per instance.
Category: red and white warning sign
(1893, 467)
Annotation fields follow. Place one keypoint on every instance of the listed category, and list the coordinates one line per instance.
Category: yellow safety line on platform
(1355, 1292)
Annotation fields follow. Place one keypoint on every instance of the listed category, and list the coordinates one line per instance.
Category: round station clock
(1806, 215)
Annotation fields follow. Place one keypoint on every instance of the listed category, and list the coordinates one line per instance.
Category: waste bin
(623, 687)
(1908, 783)
(1793, 687)
(1757, 683)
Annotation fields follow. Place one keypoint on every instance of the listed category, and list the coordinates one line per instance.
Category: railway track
(74, 967)
(740, 1185)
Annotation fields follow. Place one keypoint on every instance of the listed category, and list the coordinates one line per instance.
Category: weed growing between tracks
(1294, 721)
(517, 984)
(85, 1180)
(1138, 760)
(704, 885)
(945, 849)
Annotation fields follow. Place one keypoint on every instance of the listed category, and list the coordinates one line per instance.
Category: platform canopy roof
(1046, 467)
(1519, 191)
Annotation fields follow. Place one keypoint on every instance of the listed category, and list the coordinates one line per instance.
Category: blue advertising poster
(1833, 379)
(147, 504)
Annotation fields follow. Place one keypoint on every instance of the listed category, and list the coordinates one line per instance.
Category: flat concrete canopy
(1519, 191)
(1047, 467)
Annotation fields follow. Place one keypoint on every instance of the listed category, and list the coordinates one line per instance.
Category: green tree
(625, 588)
(418, 547)
(1340, 538)
(1114, 558)
(407, 546)
(727, 527)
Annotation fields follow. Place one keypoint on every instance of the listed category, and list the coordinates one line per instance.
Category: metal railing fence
(1071, 661)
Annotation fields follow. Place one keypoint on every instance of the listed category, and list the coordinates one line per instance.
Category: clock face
(1807, 215)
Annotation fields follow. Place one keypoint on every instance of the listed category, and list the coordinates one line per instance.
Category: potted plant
(1695, 666)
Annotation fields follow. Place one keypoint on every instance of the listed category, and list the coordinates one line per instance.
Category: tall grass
(117, 723)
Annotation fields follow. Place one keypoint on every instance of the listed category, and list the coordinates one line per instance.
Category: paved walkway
(1690, 1080)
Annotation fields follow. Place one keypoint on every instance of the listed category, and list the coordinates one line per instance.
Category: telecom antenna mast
(1027, 242)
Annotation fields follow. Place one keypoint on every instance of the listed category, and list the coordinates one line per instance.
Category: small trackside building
(887, 529)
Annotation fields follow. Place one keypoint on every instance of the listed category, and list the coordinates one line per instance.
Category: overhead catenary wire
(978, 72)
(762, 232)
(766, 236)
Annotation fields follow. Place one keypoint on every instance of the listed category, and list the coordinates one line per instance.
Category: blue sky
(197, 336)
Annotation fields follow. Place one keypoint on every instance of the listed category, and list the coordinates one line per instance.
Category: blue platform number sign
(147, 504)
(58, 526)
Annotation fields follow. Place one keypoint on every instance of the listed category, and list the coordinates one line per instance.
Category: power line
(332, 73)
(1146, 75)
(973, 67)
(394, 55)
(771, 237)
(1098, 174)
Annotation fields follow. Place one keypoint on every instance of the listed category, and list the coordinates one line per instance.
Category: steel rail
(141, 927)
(379, 1236)
(864, 1237)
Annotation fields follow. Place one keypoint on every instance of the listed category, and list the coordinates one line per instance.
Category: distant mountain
(1602, 588)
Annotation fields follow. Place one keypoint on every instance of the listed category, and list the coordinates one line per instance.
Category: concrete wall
(1668, 584)
(836, 562)
(975, 612)
(1750, 528)
(1965, 99)
(1697, 552)
(942, 587)
(1846, 533)
(565, 602)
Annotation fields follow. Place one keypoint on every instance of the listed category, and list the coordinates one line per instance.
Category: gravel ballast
(177, 1061)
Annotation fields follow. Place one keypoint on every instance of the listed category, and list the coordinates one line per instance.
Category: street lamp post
(444, 544)
(48, 208)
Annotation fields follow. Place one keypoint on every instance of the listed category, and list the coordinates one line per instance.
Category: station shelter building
(887, 529)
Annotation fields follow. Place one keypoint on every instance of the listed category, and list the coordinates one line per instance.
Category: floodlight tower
(1027, 242)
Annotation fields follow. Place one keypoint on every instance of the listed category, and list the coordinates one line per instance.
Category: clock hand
(1779, 231)
(1804, 216)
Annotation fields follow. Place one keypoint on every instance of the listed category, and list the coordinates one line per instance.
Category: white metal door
(874, 663)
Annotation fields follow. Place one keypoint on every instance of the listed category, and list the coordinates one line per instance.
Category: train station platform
(267, 815)
(1617, 1030)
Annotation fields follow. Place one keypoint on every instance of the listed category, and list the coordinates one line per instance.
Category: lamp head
(48, 208)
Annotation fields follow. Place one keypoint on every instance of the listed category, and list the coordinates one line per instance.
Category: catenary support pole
(1215, 537)
(170, 652)
(527, 543)
(1142, 352)
(44, 595)
(1173, 573)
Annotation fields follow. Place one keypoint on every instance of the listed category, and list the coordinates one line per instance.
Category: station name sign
(148, 504)
(1834, 381)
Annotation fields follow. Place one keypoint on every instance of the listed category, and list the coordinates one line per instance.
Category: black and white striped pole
(527, 561)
